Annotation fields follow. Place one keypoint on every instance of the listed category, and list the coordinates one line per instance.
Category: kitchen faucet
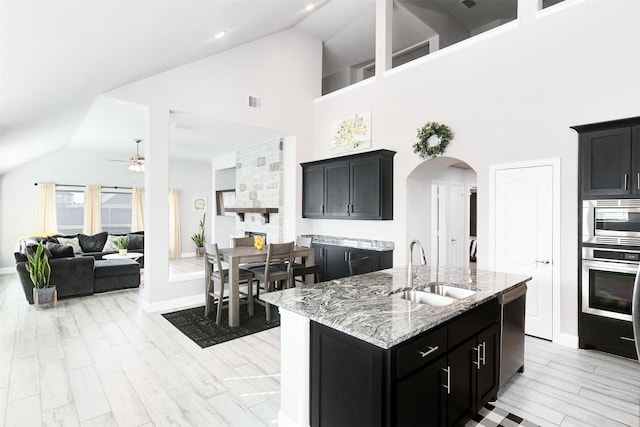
(410, 263)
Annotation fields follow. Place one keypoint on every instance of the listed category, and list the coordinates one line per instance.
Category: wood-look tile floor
(102, 361)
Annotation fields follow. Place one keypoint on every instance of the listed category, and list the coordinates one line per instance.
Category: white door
(524, 238)
(456, 216)
(438, 225)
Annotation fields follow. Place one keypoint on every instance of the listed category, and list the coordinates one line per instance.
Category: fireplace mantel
(263, 211)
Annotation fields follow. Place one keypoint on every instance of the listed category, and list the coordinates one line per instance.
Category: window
(115, 210)
(70, 210)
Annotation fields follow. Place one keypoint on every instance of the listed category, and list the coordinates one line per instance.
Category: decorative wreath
(430, 149)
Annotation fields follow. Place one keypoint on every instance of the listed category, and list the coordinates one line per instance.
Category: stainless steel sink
(449, 291)
(422, 297)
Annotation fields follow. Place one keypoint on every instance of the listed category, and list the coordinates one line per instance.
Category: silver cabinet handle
(477, 361)
(638, 181)
(348, 207)
(626, 181)
(428, 352)
(542, 261)
(448, 386)
(627, 339)
(484, 353)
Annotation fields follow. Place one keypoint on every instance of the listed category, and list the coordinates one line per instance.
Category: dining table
(247, 254)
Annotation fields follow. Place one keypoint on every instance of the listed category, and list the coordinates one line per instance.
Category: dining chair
(216, 280)
(246, 241)
(305, 242)
(359, 265)
(300, 274)
(277, 268)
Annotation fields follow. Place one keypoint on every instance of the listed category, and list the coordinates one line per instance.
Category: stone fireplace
(259, 176)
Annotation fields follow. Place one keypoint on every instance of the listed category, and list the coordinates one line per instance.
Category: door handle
(542, 261)
(428, 352)
(448, 386)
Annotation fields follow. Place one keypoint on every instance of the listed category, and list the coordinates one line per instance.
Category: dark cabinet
(440, 378)
(610, 159)
(334, 260)
(359, 186)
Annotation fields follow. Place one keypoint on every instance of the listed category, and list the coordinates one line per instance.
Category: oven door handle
(616, 267)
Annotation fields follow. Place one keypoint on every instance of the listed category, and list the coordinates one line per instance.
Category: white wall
(284, 70)
(509, 95)
(193, 179)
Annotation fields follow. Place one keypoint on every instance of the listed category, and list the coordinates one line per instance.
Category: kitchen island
(349, 346)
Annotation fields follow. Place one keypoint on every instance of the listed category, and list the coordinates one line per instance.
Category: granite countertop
(352, 242)
(369, 306)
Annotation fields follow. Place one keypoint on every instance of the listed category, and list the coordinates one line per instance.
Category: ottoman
(112, 274)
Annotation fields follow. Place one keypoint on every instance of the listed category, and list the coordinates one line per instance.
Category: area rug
(204, 331)
(491, 416)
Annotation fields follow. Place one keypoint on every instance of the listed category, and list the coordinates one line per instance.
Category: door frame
(555, 236)
(437, 244)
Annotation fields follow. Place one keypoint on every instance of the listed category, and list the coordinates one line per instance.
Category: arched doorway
(439, 214)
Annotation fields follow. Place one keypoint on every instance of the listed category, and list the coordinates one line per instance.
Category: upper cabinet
(610, 159)
(358, 186)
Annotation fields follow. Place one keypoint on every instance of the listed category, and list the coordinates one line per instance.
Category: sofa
(77, 264)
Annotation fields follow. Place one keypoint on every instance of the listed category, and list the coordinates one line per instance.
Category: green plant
(38, 267)
(198, 238)
(121, 243)
(428, 149)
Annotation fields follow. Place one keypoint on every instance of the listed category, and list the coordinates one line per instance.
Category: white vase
(122, 252)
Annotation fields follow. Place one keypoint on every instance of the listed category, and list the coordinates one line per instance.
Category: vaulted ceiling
(58, 57)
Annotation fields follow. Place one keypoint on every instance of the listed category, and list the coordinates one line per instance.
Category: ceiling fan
(136, 163)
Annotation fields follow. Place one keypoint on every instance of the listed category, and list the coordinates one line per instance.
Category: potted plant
(198, 238)
(122, 243)
(40, 274)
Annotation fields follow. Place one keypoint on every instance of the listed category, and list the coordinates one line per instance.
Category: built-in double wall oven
(610, 256)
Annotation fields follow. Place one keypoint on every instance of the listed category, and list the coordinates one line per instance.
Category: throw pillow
(136, 242)
(93, 243)
(59, 251)
(31, 250)
(109, 246)
(71, 241)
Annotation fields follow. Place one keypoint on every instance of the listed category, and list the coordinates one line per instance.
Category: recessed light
(309, 7)
(219, 35)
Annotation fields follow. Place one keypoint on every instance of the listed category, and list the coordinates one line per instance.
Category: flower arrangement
(258, 242)
(433, 138)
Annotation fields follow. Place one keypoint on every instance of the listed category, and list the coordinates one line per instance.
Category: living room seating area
(77, 264)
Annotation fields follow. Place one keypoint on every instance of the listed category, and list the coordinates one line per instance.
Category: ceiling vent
(469, 3)
(255, 102)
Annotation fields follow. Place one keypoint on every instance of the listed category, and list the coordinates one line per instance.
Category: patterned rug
(491, 416)
(204, 331)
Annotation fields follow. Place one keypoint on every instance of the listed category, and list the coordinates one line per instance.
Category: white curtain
(137, 209)
(92, 210)
(174, 224)
(47, 220)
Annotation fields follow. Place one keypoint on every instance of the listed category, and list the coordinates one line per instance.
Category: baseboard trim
(567, 340)
(285, 420)
(7, 270)
(173, 304)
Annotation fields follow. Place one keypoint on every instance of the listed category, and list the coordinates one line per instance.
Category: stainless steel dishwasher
(512, 303)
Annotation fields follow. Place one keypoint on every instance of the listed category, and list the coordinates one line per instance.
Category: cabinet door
(605, 162)
(461, 402)
(635, 160)
(488, 374)
(336, 189)
(335, 262)
(374, 258)
(421, 399)
(365, 188)
(318, 259)
(346, 380)
(313, 191)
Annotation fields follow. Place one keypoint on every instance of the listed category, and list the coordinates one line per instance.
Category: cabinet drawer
(420, 351)
(473, 322)
(605, 334)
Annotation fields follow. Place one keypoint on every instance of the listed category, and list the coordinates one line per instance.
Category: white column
(294, 370)
(384, 49)
(156, 207)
